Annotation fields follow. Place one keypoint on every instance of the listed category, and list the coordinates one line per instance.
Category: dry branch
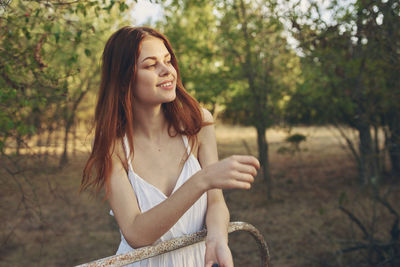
(356, 221)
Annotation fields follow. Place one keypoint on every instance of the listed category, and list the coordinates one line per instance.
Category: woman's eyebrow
(155, 58)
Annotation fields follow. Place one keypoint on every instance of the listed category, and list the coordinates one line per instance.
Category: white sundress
(192, 221)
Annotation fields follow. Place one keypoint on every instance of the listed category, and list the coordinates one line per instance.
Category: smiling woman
(155, 154)
(156, 76)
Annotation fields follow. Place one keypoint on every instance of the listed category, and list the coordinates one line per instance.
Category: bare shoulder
(118, 175)
(207, 153)
(118, 151)
(207, 116)
(118, 160)
(207, 132)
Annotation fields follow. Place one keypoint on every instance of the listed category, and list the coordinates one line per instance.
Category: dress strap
(127, 152)
(186, 142)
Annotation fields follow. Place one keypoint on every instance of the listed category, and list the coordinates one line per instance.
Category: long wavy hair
(113, 115)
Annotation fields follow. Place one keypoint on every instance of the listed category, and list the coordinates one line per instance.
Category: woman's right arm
(142, 229)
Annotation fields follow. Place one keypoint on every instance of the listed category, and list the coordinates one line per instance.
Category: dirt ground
(46, 222)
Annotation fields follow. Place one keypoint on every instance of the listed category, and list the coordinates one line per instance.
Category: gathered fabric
(193, 220)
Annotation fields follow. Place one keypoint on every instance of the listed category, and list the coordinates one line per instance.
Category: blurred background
(312, 88)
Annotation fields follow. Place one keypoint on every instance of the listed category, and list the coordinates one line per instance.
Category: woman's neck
(150, 122)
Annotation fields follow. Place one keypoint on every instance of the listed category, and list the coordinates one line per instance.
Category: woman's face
(155, 81)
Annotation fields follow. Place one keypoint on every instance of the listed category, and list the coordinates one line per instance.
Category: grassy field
(46, 222)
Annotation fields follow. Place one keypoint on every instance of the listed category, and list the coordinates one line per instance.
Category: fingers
(248, 160)
(244, 169)
(243, 177)
(232, 172)
(238, 185)
(250, 169)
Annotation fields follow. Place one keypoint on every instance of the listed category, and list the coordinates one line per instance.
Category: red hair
(113, 114)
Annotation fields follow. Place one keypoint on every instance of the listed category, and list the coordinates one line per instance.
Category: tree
(385, 37)
(343, 75)
(49, 54)
(262, 68)
(233, 54)
(191, 27)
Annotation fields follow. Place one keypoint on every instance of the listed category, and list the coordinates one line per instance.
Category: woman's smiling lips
(168, 85)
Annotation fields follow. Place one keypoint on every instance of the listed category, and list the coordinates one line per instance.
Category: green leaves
(57, 37)
(88, 53)
(110, 6)
(78, 36)
(81, 8)
(350, 75)
(47, 26)
(296, 139)
(123, 6)
(217, 61)
(48, 53)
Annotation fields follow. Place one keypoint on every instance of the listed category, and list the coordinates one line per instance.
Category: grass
(46, 222)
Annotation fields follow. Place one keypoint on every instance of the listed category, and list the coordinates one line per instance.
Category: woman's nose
(165, 70)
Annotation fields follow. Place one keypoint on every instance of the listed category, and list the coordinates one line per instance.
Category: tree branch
(348, 142)
(356, 221)
(38, 49)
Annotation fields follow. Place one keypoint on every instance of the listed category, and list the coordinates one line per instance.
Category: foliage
(49, 49)
(191, 26)
(294, 141)
(259, 57)
(234, 55)
(348, 76)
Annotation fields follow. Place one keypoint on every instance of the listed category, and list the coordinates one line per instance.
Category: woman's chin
(170, 98)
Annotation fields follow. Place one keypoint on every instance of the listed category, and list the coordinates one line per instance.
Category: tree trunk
(368, 170)
(379, 155)
(48, 142)
(394, 145)
(70, 119)
(64, 157)
(263, 157)
(74, 137)
(18, 145)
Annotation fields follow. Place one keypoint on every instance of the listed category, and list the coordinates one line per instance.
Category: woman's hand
(232, 172)
(217, 251)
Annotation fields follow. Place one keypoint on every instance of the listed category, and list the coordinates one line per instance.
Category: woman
(155, 153)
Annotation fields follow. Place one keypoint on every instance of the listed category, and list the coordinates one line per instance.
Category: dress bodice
(148, 196)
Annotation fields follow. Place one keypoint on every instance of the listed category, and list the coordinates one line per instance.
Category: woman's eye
(151, 66)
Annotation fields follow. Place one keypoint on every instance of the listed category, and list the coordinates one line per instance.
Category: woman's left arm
(217, 218)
